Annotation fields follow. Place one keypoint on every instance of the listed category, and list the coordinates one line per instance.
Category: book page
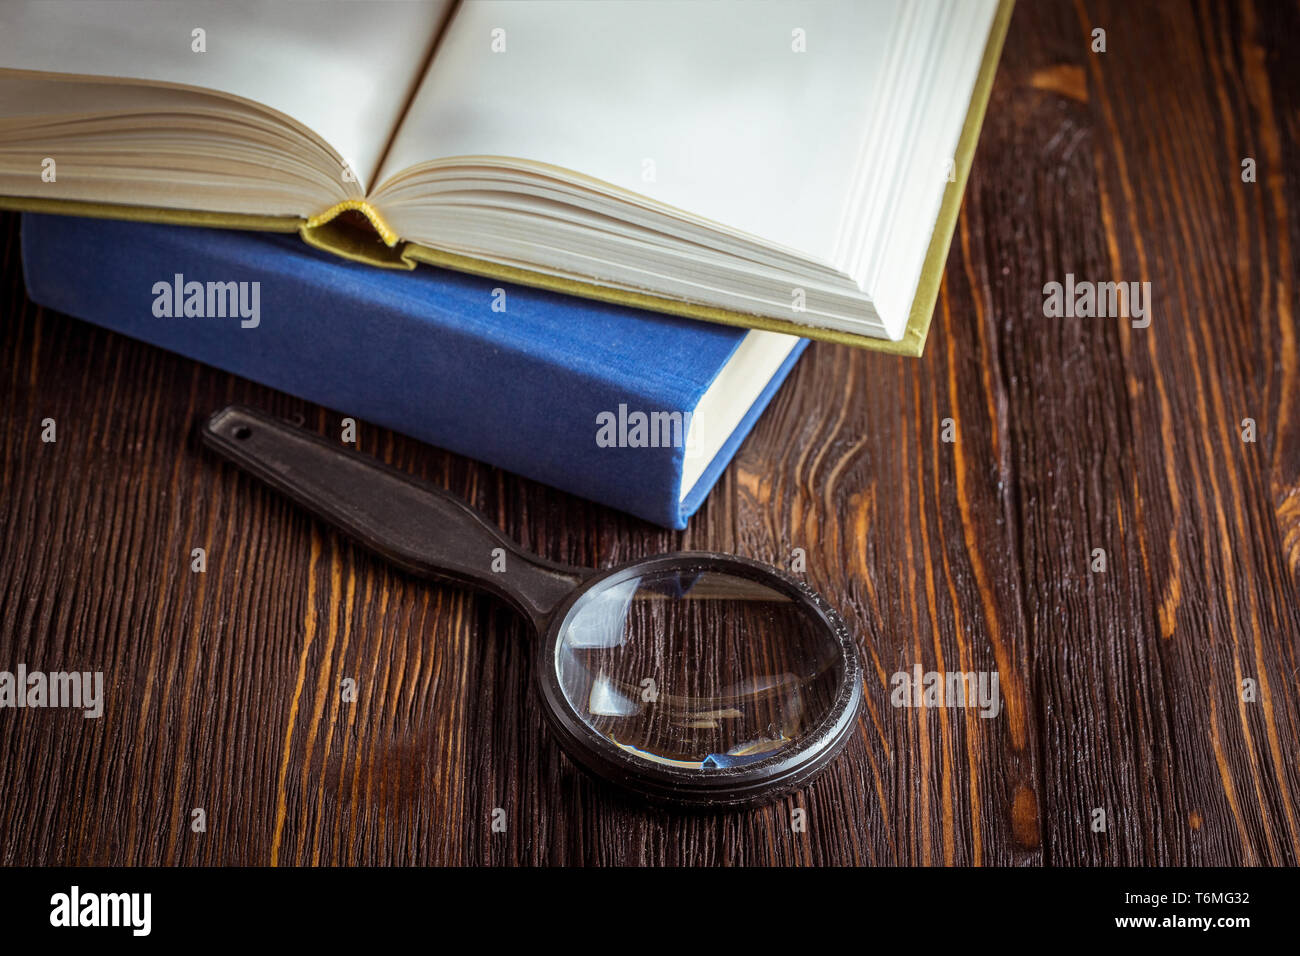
(343, 68)
(751, 115)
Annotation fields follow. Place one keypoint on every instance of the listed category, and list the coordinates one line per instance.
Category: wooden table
(1122, 689)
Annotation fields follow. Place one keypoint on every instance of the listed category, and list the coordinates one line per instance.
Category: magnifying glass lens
(697, 669)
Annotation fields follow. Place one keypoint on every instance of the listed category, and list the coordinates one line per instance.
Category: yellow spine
(359, 205)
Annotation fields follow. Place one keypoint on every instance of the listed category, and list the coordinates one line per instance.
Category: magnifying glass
(694, 679)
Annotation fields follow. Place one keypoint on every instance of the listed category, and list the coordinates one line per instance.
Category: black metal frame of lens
(745, 785)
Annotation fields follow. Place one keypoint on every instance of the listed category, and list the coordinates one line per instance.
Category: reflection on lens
(697, 669)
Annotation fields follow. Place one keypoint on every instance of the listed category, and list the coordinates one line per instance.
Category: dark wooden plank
(1121, 690)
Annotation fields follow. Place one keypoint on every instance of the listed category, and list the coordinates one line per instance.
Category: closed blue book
(636, 410)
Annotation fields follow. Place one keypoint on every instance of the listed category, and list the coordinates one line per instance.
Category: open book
(789, 166)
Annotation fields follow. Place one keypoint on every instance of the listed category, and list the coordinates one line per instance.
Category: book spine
(321, 331)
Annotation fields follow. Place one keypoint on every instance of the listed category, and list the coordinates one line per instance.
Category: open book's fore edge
(318, 233)
(936, 256)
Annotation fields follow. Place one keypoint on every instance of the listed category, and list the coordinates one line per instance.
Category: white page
(343, 68)
(741, 129)
(894, 260)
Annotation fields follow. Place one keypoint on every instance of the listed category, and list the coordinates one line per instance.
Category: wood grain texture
(1121, 690)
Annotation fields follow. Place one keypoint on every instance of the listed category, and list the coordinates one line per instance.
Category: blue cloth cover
(421, 352)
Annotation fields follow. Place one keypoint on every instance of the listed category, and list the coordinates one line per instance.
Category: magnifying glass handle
(418, 527)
